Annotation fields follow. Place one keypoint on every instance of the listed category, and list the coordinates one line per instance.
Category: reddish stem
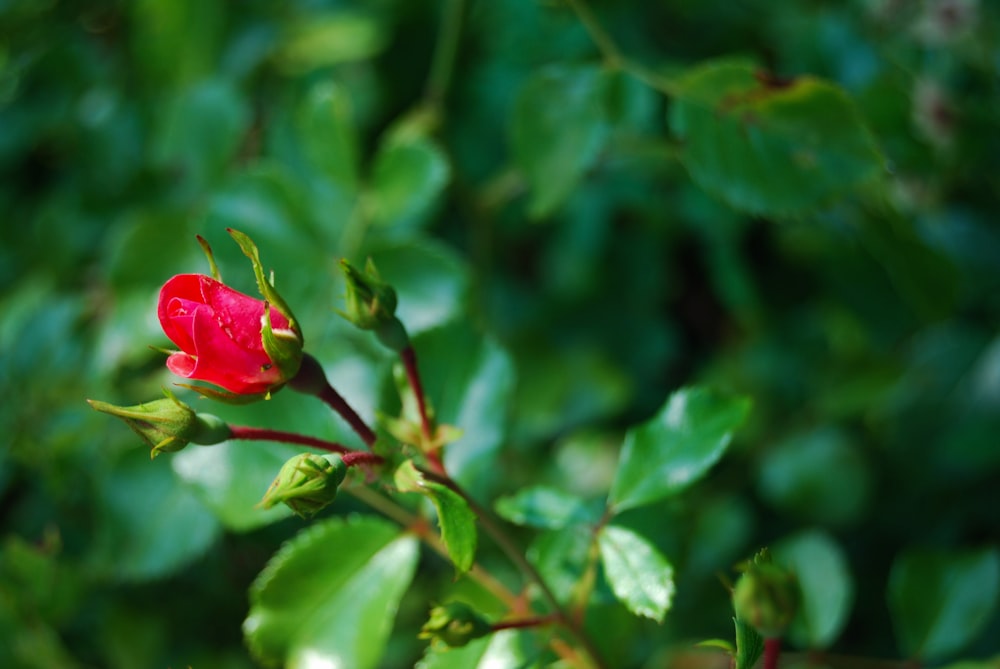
(409, 357)
(522, 623)
(772, 648)
(311, 379)
(361, 458)
(265, 434)
(340, 405)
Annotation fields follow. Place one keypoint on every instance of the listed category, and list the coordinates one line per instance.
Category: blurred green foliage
(569, 246)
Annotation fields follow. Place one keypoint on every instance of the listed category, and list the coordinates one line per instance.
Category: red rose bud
(307, 483)
(168, 425)
(222, 335)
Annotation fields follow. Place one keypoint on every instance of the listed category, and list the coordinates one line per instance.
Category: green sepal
(168, 425)
(307, 483)
(749, 645)
(457, 521)
(721, 644)
(227, 397)
(265, 287)
(283, 347)
(212, 266)
(454, 625)
(371, 304)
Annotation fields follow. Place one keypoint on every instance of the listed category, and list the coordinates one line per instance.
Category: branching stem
(264, 434)
(514, 554)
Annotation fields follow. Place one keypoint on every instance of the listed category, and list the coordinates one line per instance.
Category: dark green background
(864, 328)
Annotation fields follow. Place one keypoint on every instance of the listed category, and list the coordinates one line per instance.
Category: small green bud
(168, 425)
(371, 303)
(766, 596)
(307, 483)
(455, 624)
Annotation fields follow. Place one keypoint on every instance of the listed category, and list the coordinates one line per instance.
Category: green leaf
(329, 596)
(457, 521)
(770, 147)
(201, 131)
(544, 508)
(508, 648)
(557, 130)
(561, 557)
(820, 476)
(749, 645)
(827, 589)
(637, 572)
(150, 526)
(329, 139)
(676, 447)
(940, 601)
(320, 40)
(231, 478)
(408, 177)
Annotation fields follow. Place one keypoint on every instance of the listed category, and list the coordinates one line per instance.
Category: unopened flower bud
(766, 596)
(307, 483)
(371, 305)
(168, 425)
(455, 624)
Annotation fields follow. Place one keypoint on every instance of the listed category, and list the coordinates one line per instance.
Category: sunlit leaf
(637, 572)
(329, 596)
(457, 521)
(676, 447)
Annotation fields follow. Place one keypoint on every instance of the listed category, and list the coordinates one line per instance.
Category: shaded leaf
(545, 508)
(408, 177)
(768, 146)
(333, 37)
(557, 130)
(941, 601)
(329, 139)
(150, 525)
(827, 590)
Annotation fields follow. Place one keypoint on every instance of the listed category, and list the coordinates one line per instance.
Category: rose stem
(340, 405)
(522, 623)
(772, 647)
(311, 380)
(506, 544)
(409, 358)
(265, 434)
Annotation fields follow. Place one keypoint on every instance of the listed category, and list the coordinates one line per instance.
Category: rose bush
(219, 333)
